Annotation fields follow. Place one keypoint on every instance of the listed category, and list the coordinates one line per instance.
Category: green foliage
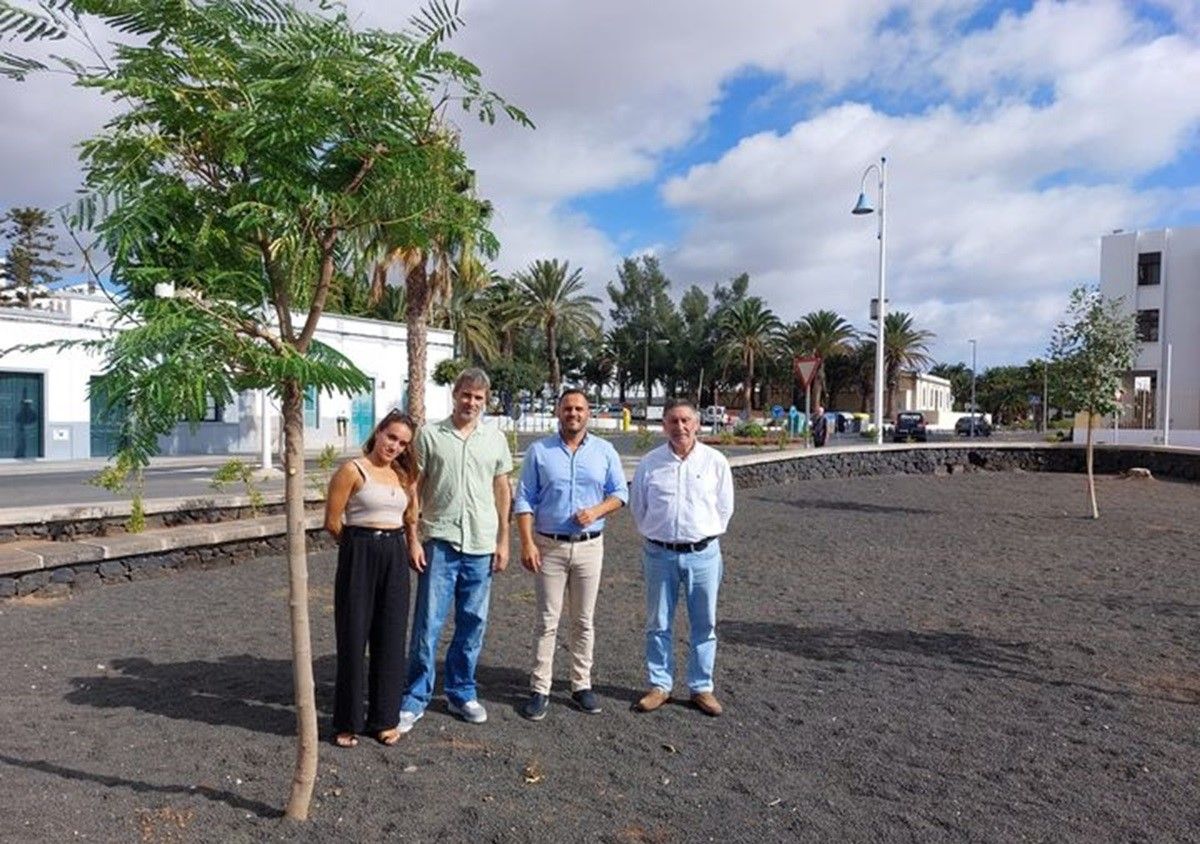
(123, 477)
(726, 438)
(643, 439)
(447, 371)
(748, 332)
(515, 376)
(551, 298)
(235, 470)
(254, 137)
(782, 439)
(511, 437)
(31, 262)
(1092, 349)
(749, 429)
(326, 461)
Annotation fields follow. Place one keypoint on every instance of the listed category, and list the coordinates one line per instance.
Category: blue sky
(729, 138)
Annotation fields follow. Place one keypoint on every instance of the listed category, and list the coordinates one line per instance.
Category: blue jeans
(700, 575)
(466, 579)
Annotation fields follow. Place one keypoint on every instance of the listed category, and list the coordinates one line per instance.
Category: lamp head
(863, 206)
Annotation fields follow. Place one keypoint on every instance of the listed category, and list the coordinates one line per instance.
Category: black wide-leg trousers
(370, 608)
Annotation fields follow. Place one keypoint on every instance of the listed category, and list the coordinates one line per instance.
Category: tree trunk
(552, 354)
(416, 318)
(1091, 477)
(748, 387)
(305, 775)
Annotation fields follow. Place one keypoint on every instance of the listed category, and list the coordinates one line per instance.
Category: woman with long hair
(370, 506)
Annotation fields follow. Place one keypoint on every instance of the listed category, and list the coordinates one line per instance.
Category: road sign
(777, 411)
(805, 370)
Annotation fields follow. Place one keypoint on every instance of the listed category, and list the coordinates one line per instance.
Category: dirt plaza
(901, 658)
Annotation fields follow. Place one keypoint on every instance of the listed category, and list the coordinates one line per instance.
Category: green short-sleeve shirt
(458, 504)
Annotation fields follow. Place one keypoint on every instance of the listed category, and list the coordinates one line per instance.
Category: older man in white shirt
(682, 499)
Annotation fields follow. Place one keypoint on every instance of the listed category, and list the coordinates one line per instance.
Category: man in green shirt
(465, 496)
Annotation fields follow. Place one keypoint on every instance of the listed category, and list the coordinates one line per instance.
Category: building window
(213, 412)
(1147, 326)
(1149, 268)
(311, 419)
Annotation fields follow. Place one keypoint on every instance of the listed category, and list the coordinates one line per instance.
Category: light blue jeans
(699, 573)
(466, 580)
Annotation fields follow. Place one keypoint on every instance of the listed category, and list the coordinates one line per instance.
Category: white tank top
(376, 504)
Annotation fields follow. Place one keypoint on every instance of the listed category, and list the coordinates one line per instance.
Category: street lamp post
(974, 422)
(864, 207)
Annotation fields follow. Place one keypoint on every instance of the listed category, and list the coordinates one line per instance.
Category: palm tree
(552, 298)
(468, 311)
(748, 331)
(904, 347)
(822, 334)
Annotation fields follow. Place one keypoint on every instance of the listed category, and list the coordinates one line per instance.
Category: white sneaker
(472, 711)
(408, 720)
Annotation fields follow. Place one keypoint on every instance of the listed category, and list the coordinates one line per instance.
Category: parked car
(909, 425)
(964, 424)
(714, 414)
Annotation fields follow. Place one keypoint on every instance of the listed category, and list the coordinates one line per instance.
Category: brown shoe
(652, 700)
(707, 703)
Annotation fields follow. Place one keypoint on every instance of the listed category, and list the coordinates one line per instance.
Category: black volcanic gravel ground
(959, 658)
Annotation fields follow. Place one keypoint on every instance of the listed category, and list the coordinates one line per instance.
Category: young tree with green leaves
(31, 262)
(255, 141)
(1092, 349)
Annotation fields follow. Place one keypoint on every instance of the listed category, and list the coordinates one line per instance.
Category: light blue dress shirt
(556, 483)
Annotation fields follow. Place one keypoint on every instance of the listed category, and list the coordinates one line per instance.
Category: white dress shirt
(682, 500)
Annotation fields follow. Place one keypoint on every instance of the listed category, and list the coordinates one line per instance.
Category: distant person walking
(569, 482)
(465, 497)
(370, 505)
(820, 427)
(682, 500)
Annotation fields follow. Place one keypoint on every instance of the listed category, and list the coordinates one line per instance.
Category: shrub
(749, 429)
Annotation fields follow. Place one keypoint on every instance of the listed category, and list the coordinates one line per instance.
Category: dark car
(964, 424)
(909, 426)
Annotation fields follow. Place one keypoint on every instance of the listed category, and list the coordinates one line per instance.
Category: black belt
(374, 533)
(683, 547)
(570, 537)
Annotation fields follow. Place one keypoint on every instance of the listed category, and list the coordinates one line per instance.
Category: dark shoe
(535, 708)
(707, 703)
(586, 700)
(652, 700)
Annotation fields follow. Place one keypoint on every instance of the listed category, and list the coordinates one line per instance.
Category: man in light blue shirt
(569, 482)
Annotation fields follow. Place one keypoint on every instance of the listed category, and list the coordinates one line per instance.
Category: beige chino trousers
(571, 569)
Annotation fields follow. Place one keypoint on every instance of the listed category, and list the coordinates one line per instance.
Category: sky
(733, 137)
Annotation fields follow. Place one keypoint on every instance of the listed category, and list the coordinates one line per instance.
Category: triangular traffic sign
(805, 370)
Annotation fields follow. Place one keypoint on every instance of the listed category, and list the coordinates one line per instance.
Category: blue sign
(777, 411)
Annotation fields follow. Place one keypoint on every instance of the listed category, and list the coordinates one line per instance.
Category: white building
(1157, 275)
(45, 409)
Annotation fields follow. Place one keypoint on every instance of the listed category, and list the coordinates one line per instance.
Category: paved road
(26, 485)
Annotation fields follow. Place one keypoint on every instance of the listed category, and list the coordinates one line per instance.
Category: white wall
(377, 348)
(1176, 297)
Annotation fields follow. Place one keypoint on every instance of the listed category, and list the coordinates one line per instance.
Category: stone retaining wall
(749, 471)
(49, 583)
(781, 468)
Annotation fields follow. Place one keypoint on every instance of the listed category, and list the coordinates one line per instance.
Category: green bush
(749, 429)
(643, 439)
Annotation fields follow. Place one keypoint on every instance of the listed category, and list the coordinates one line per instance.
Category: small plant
(234, 471)
(726, 438)
(782, 439)
(749, 429)
(326, 460)
(511, 436)
(643, 439)
(121, 478)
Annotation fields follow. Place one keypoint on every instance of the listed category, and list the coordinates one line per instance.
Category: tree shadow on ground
(978, 655)
(843, 506)
(230, 691)
(109, 781)
(844, 643)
